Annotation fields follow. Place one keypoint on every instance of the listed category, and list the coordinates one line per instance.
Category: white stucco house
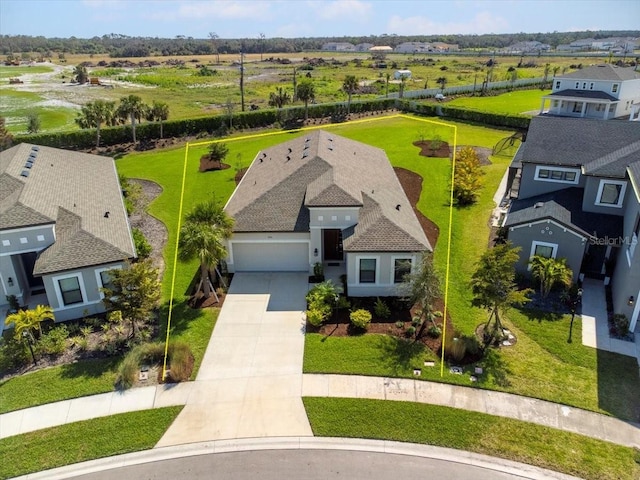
(322, 198)
(601, 91)
(63, 226)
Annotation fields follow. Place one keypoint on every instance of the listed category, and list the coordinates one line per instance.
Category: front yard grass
(82, 441)
(476, 432)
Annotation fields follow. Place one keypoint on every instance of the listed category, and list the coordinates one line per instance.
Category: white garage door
(271, 257)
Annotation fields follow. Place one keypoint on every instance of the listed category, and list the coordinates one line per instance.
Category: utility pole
(295, 86)
(262, 37)
(241, 81)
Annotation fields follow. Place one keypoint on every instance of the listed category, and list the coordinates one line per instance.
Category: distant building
(381, 49)
(363, 47)
(339, 47)
(400, 74)
(413, 47)
(527, 47)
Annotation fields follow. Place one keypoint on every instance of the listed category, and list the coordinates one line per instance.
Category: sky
(310, 18)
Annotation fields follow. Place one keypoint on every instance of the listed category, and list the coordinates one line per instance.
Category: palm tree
(306, 92)
(95, 114)
(549, 272)
(442, 81)
(158, 112)
(350, 86)
(202, 236)
(132, 108)
(28, 322)
(279, 98)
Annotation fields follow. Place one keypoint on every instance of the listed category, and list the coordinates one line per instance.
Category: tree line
(118, 46)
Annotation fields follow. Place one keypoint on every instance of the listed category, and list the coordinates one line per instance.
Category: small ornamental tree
(350, 86)
(423, 289)
(134, 291)
(306, 92)
(218, 152)
(494, 287)
(467, 179)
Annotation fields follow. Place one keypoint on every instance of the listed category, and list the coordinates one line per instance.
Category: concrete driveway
(250, 381)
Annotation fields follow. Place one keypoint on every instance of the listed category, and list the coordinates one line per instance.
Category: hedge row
(83, 139)
(286, 118)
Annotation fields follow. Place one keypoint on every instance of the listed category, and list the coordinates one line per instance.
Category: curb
(509, 467)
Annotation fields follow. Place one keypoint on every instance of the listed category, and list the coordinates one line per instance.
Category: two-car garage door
(270, 257)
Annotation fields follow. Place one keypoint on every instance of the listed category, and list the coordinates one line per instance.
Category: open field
(191, 94)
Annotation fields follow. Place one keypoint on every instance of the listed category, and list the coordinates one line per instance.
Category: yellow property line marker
(315, 127)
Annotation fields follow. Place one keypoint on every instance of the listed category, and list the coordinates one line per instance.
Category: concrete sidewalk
(595, 326)
(250, 380)
(501, 404)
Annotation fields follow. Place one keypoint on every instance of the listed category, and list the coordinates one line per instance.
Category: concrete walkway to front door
(250, 381)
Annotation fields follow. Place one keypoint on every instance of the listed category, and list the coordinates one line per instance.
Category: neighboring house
(579, 198)
(63, 225)
(527, 47)
(414, 47)
(602, 91)
(322, 198)
(400, 74)
(339, 47)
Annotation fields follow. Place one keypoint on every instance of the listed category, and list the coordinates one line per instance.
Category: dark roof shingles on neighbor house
(565, 207)
(320, 169)
(593, 94)
(603, 147)
(603, 71)
(73, 190)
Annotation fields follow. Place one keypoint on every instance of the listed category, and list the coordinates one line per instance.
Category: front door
(29, 262)
(332, 244)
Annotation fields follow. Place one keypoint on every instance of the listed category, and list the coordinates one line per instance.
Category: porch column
(542, 105)
(635, 314)
(584, 109)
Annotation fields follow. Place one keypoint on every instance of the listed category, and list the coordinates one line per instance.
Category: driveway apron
(250, 381)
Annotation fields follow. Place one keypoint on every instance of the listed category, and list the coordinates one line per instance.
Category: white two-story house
(322, 198)
(579, 198)
(601, 91)
(63, 226)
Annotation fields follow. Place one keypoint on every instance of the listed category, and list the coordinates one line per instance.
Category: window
(6, 243)
(70, 290)
(599, 107)
(554, 103)
(611, 193)
(577, 107)
(401, 268)
(544, 249)
(367, 270)
(557, 84)
(40, 238)
(320, 218)
(557, 174)
(24, 240)
(584, 86)
(106, 279)
(591, 86)
(577, 85)
(614, 88)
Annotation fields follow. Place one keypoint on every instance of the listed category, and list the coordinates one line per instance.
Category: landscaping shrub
(455, 347)
(411, 331)
(12, 352)
(143, 247)
(180, 361)
(315, 316)
(54, 342)
(360, 318)
(381, 309)
(621, 324)
(434, 331)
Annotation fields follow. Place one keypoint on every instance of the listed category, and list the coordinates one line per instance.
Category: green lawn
(476, 432)
(82, 441)
(521, 101)
(17, 104)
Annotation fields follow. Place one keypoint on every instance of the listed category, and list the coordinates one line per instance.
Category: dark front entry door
(593, 262)
(332, 244)
(28, 262)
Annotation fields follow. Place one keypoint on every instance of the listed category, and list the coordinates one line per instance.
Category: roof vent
(305, 155)
(35, 148)
(330, 148)
(28, 164)
(398, 207)
(539, 205)
(24, 173)
(331, 139)
(106, 214)
(288, 158)
(33, 155)
(289, 149)
(260, 160)
(307, 139)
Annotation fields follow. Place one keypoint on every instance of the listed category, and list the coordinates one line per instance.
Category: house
(579, 199)
(601, 91)
(414, 47)
(322, 198)
(339, 47)
(63, 225)
(526, 47)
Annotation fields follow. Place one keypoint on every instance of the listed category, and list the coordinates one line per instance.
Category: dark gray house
(63, 225)
(577, 195)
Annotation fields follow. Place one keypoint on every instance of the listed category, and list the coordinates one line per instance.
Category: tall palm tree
(27, 323)
(158, 112)
(350, 86)
(202, 236)
(549, 272)
(95, 114)
(306, 92)
(133, 108)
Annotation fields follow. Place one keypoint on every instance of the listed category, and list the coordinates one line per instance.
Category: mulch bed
(412, 185)
(443, 151)
(207, 165)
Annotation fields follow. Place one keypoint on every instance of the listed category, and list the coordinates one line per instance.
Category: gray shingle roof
(565, 207)
(324, 169)
(603, 147)
(634, 173)
(594, 94)
(83, 185)
(603, 71)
